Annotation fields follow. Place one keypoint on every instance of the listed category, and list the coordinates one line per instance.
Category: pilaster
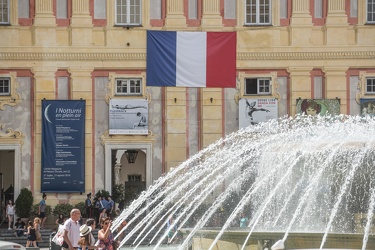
(300, 85)
(211, 14)
(81, 23)
(336, 84)
(212, 111)
(336, 23)
(301, 24)
(81, 83)
(44, 27)
(176, 126)
(44, 13)
(175, 17)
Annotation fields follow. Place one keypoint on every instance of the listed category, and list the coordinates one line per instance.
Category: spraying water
(303, 174)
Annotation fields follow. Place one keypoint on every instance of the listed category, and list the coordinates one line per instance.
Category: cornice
(89, 56)
(305, 55)
(24, 56)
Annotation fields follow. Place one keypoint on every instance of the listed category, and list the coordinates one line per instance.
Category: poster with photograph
(253, 111)
(368, 107)
(128, 116)
(318, 106)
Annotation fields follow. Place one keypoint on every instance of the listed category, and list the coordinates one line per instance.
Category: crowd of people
(77, 234)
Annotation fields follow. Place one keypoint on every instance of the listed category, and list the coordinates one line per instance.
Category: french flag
(191, 59)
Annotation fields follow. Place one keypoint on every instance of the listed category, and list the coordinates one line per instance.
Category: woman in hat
(85, 242)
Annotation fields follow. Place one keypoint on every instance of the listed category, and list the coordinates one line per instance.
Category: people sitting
(20, 227)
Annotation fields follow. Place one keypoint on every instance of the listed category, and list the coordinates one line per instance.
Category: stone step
(8, 235)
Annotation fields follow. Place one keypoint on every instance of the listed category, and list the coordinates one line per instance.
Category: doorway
(137, 175)
(129, 169)
(7, 166)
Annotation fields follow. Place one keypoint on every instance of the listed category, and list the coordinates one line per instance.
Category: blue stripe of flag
(161, 58)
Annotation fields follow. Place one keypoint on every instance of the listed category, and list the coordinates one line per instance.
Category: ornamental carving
(14, 98)
(10, 133)
(79, 56)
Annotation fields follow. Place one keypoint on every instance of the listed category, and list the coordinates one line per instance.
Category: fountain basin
(235, 238)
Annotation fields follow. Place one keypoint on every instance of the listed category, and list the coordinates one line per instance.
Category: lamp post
(131, 155)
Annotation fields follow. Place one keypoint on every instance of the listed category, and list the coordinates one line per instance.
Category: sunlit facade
(95, 50)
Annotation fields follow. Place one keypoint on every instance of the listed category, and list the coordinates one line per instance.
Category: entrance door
(7, 166)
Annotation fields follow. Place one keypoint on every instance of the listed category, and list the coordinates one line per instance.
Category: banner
(63, 146)
(368, 107)
(318, 106)
(253, 111)
(128, 116)
(191, 59)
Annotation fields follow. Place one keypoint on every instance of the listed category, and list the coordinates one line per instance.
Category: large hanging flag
(191, 59)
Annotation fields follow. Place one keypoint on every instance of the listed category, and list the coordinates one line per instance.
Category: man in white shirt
(71, 230)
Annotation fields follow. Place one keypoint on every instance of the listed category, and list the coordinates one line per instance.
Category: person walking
(31, 237)
(42, 210)
(71, 230)
(10, 214)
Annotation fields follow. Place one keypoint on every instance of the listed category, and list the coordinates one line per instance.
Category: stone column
(301, 23)
(336, 85)
(81, 23)
(337, 23)
(44, 24)
(211, 14)
(175, 17)
(44, 78)
(117, 173)
(300, 86)
(44, 13)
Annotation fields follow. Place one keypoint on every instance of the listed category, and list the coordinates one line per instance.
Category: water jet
(308, 181)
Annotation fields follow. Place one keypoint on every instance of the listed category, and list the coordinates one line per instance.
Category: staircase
(47, 235)
(8, 235)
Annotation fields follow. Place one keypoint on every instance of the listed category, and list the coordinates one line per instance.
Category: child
(31, 237)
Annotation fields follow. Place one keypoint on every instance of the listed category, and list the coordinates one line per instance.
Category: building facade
(95, 50)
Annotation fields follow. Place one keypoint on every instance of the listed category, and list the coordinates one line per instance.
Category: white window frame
(128, 21)
(257, 13)
(260, 81)
(370, 82)
(3, 81)
(128, 82)
(3, 19)
(372, 21)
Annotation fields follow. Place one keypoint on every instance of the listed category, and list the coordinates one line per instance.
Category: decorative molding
(361, 87)
(111, 87)
(275, 86)
(73, 56)
(14, 98)
(142, 56)
(241, 86)
(305, 55)
(107, 138)
(10, 134)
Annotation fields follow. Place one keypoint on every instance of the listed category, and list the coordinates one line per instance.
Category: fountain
(303, 182)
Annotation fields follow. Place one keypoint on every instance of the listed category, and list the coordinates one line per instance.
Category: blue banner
(63, 146)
